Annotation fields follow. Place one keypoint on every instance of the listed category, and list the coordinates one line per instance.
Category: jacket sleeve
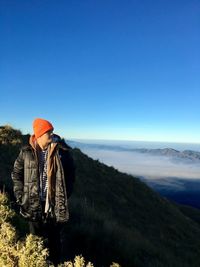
(69, 171)
(18, 177)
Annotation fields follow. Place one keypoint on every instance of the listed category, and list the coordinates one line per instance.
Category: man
(43, 177)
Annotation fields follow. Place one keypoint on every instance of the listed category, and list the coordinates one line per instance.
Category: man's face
(46, 138)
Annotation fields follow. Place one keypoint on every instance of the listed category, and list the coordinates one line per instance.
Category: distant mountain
(116, 217)
(188, 156)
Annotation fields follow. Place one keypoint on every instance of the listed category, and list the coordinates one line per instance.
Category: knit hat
(41, 126)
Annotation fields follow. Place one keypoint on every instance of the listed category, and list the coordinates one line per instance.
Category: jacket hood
(51, 147)
(32, 141)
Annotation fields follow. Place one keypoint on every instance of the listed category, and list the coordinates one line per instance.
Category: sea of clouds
(144, 164)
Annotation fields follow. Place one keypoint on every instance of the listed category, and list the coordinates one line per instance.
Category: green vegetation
(116, 217)
(30, 251)
(192, 213)
(10, 142)
(14, 252)
(8, 135)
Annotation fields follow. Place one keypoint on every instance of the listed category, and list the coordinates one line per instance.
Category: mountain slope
(116, 217)
(148, 229)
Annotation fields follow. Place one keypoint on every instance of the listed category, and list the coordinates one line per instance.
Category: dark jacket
(25, 178)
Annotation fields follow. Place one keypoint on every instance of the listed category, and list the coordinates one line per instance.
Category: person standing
(43, 177)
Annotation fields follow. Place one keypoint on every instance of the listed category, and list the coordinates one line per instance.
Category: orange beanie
(41, 126)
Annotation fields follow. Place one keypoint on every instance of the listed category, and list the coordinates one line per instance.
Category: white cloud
(138, 164)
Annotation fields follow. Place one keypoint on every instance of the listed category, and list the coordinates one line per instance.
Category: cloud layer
(145, 165)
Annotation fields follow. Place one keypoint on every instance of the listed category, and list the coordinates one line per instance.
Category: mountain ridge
(115, 216)
(190, 155)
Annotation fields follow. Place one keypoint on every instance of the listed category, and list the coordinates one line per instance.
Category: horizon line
(129, 140)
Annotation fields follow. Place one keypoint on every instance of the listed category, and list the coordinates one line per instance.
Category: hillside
(145, 227)
(116, 217)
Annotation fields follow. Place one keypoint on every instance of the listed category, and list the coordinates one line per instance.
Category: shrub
(32, 252)
(79, 261)
(29, 252)
(8, 252)
(9, 135)
(5, 212)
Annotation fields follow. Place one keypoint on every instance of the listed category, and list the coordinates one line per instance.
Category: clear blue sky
(102, 69)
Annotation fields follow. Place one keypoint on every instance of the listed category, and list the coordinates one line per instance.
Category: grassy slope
(139, 226)
(116, 217)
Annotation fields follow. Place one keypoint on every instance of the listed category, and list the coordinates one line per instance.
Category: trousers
(52, 234)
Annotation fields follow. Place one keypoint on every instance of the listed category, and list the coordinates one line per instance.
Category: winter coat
(26, 181)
